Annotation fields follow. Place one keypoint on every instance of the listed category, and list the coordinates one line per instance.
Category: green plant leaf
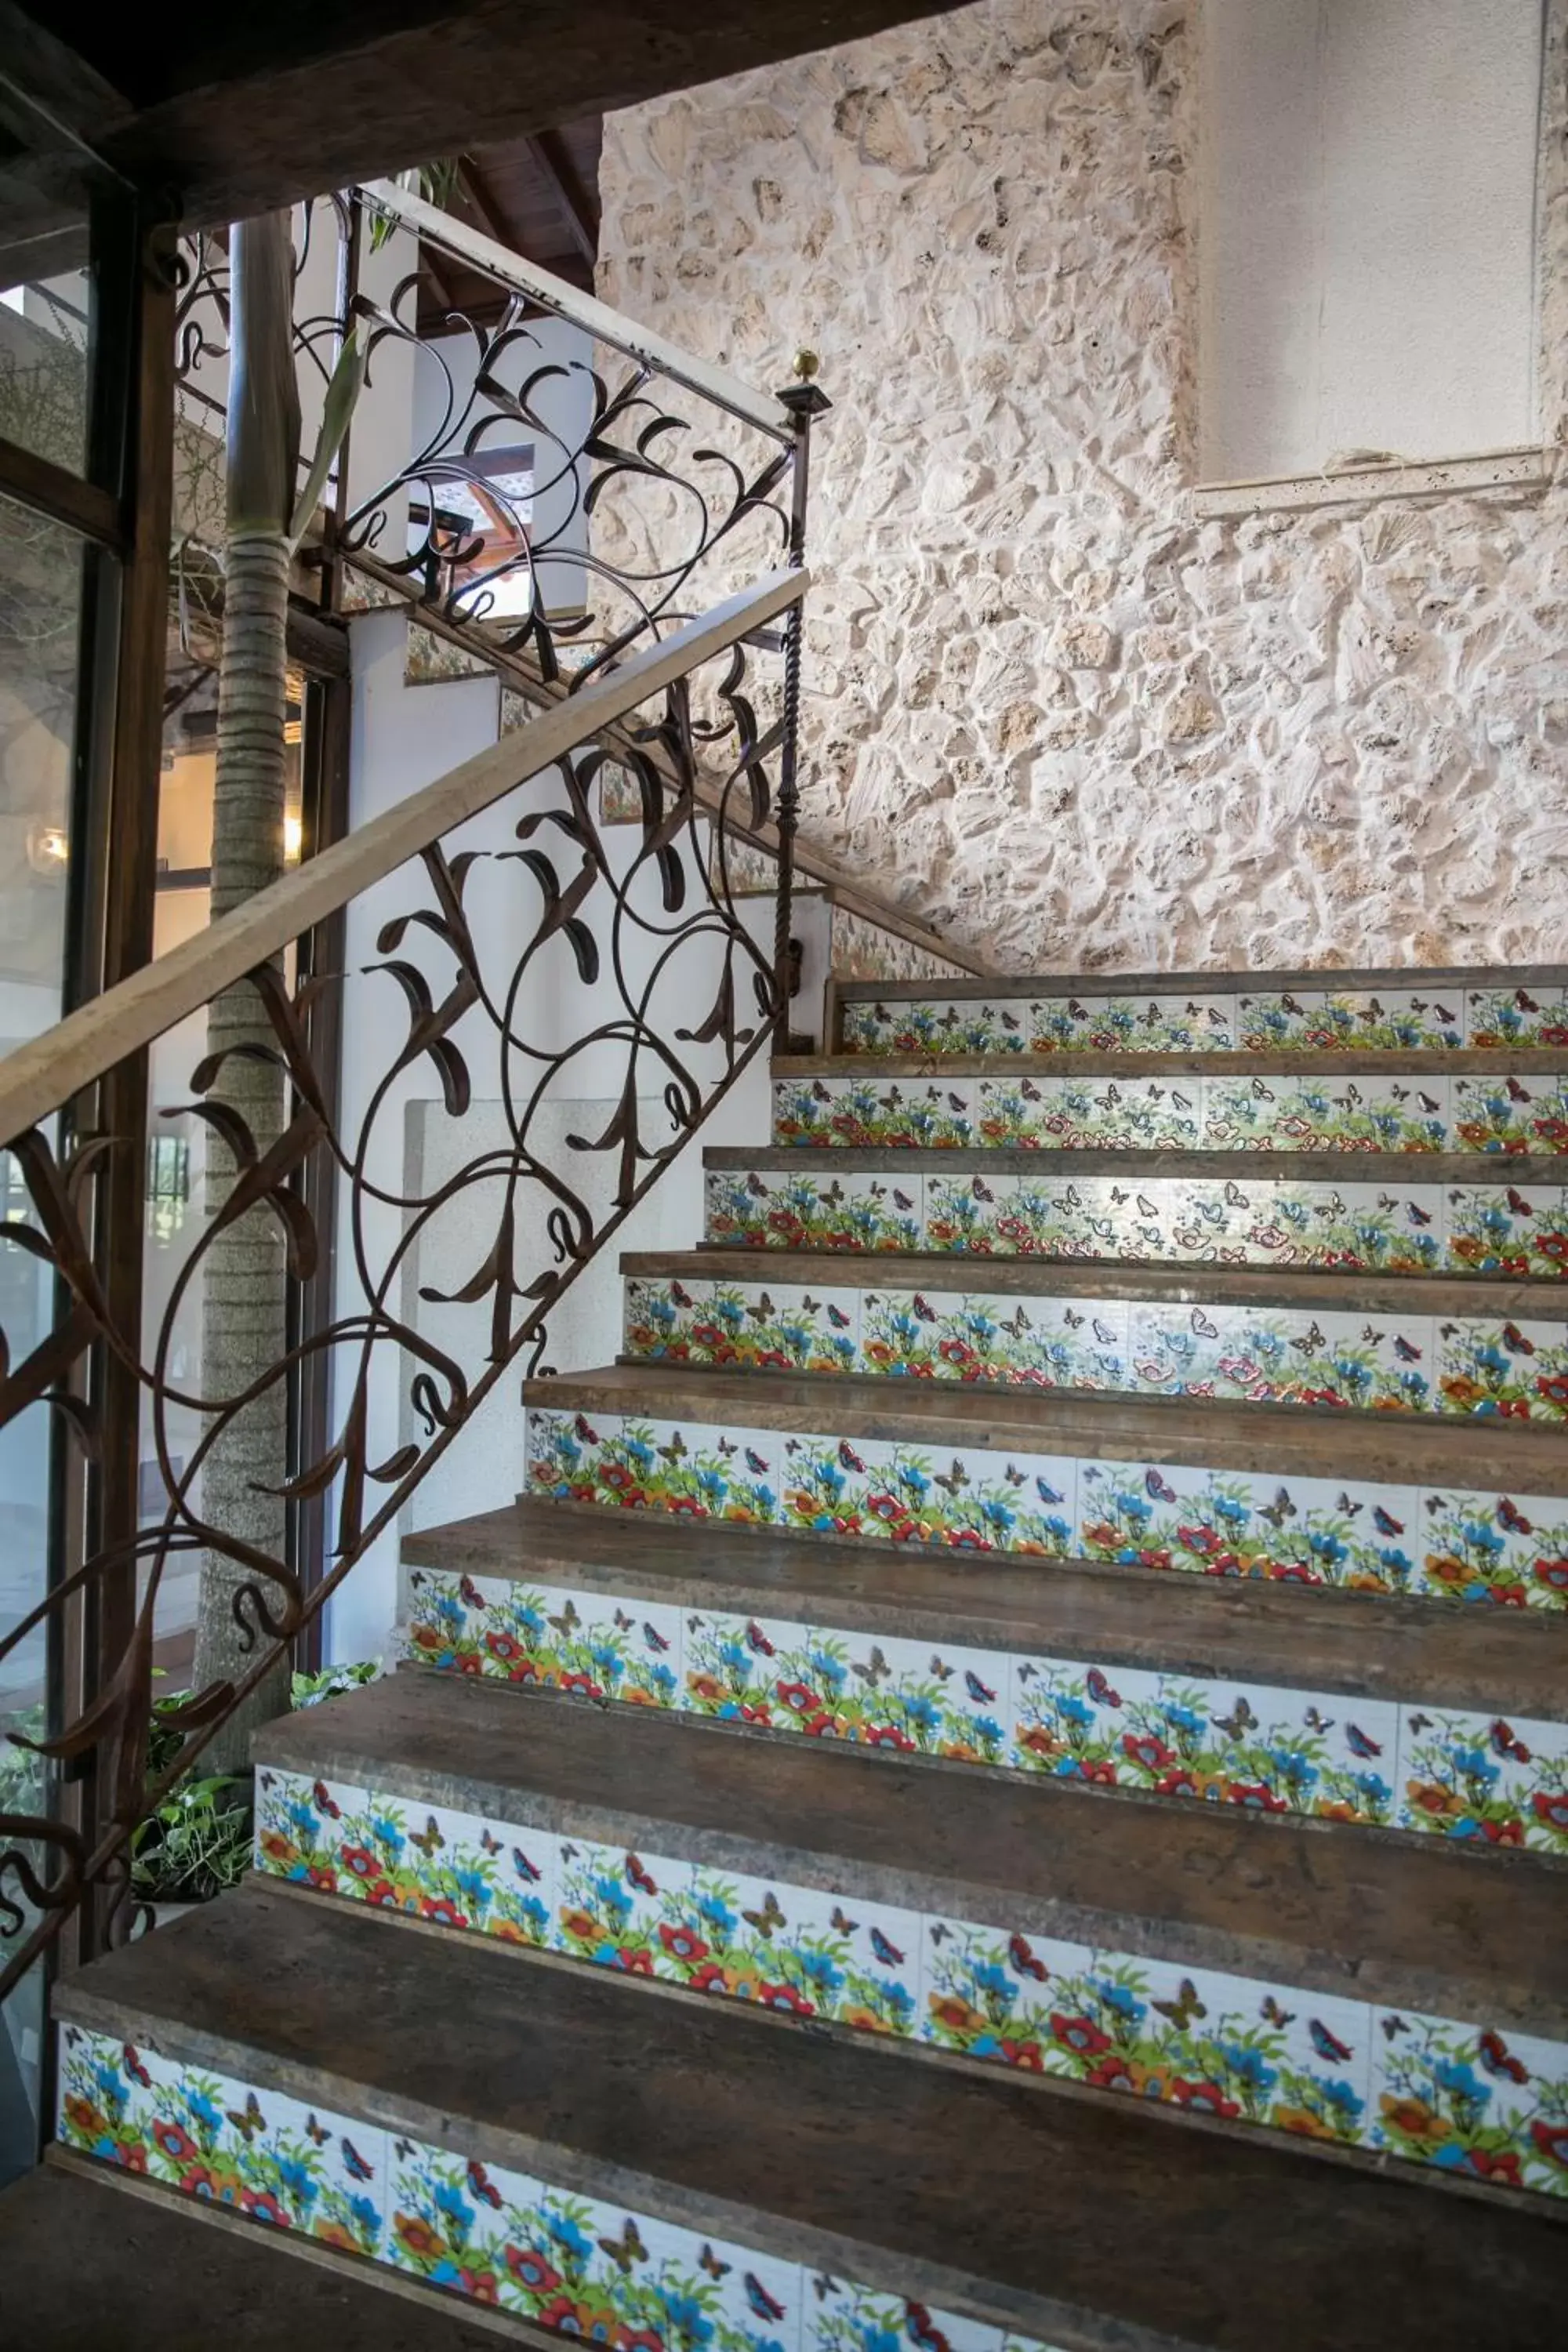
(343, 393)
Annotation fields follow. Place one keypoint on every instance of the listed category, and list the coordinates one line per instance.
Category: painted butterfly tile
(1510, 1114)
(1492, 1780)
(783, 1328)
(1508, 1232)
(1295, 1530)
(1506, 1371)
(694, 1472)
(1476, 2103)
(802, 1950)
(1048, 1216)
(1515, 1017)
(931, 1026)
(1265, 1750)
(229, 2143)
(1107, 1114)
(1026, 1342)
(1345, 1021)
(912, 1114)
(814, 1210)
(1282, 1356)
(989, 1501)
(595, 1644)
(608, 1904)
(1511, 1550)
(841, 2316)
(1340, 1114)
(1193, 2038)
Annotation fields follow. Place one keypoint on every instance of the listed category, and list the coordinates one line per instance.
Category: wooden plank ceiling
(236, 109)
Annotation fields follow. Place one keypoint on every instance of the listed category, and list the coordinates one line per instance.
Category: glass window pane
(41, 581)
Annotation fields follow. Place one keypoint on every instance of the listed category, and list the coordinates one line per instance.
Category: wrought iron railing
(510, 967)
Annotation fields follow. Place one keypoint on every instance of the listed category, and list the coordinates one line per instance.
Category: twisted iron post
(806, 400)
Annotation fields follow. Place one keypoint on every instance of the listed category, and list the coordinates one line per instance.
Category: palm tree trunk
(245, 1294)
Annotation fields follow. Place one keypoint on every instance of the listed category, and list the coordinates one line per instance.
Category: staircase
(1066, 1845)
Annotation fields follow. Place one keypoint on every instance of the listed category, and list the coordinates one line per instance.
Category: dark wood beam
(476, 190)
(577, 208)
(63, 496)
(241, 110)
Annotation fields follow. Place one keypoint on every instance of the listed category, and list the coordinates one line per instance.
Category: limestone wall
(1047, 707)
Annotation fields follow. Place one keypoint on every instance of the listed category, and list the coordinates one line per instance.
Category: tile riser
(564, 2259)
(1428, 1543)
(1265, 1018)
(1371, 1762)
(1457, 1366)
(1388, 1115)
(1402, 1225)
(1247, 2051)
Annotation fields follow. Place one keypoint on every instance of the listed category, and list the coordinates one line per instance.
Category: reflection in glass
(40, 597)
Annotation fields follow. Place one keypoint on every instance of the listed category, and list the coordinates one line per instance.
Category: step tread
(1403, 1449)
(1413, 1926)
(91, 2263)
(1306, 1286)
(1410, 1168)
(808, 2144)
(1293, 1634)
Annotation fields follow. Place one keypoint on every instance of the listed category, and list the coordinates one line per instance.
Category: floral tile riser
(1248, 1220)
(1303, 1021)
(1510, 1551)
(1230, 2047)
(574, 2264)
(1060, 1113)
(1396, 1364)
(1262, 1748)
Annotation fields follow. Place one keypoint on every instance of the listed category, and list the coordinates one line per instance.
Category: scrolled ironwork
(635, 959)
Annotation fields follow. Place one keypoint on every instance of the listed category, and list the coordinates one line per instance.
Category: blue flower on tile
(1346, 2103)
(1397, 1564)
(641, 1452)
(922, 1711)
(385, 1832)
(735, 1654)
(820, 1973)
(1475, 1765)
(915, 1480)
(1184, 1719)
(450, 2201)
(1075, 1710)
(1250, 2067)
(1234, 1513)
(1122, 2002)
(719, 1915)
(1298, 1770)
(832, 1670)
(988, 1728)
(1373, 1788)
(533, 1618)
(295, 2178)
(685, 2315)
(1460, 2081)
(612, 1895)
(1482, 1537)
(566, 2233)
(1328, 1548)
(205, 2110)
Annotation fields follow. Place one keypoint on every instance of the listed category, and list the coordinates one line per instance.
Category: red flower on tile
(798, 1697)
(1550, 1809)
(583, 1683)
(709, 1977)
(383, 1894)
(966, 1539)
(263, 2206)
(1080, 2034)
(886, 1735)
(471, 1665)
(1503, 2166)
(1026, 2054)
(633, 1963)
(1099, 1770)
(683, 1944)
(174, 2142)
(1179, 1783)
(1256, 1797)
(360, 1863)
(1145, 1748)
(323, 1878)
(1550, 2139)
(1203, 2099)
(504, 1647)
(1202, 1541)
(202, 2181)
(1113, 2074)
(1554, 1246)
(782, 1996)
(1509, 1832)
(1553, 1387)
(531, 2269)
(956, 1351)
(481, 2286)
(437, 1906)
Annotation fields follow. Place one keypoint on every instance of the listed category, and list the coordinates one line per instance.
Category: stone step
(597, 2157)
(1381, 1502)
(1437, 1346)
(1495, 1010)
(1003, 1922)
(925, 1103)
(1440, 1213)
(94, 2259)
(1110, 1680)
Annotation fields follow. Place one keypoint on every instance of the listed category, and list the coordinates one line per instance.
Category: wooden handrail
(38, 1078)
(482, 253)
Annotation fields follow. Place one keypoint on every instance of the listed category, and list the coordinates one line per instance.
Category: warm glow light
(293, 838)
(48, 848)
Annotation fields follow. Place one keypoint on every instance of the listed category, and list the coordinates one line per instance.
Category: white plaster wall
(1045, 706)
(1367, 229)
(405, 736)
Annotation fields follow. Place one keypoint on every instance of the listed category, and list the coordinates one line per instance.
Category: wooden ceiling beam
(580, 211)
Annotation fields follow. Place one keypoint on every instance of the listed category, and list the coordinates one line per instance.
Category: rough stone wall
(1048, 707)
